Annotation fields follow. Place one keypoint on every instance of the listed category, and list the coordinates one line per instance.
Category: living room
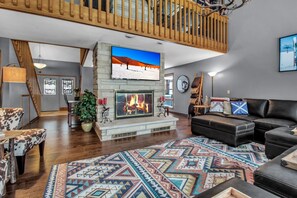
(176, 151)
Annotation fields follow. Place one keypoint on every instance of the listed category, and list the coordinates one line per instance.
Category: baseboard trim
(178, 113)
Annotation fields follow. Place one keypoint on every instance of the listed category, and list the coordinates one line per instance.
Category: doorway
(53, 88)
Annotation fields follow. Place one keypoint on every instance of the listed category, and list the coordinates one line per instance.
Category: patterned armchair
(9, 120)
(3, 176)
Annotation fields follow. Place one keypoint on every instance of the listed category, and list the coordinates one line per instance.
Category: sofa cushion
(244, 117)
(227, 108)
(283, 109)
(216, 114)
(272, 123)
(276, 178)
(239, 108)
(257, 107)
(281, 136)
(217, 104)
(228, 125)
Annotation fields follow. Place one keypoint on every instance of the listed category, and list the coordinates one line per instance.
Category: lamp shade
(212, 74)
(14, 74)
(40, 65)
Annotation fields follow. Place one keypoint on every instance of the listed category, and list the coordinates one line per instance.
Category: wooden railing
(24, 56)
(179, 21)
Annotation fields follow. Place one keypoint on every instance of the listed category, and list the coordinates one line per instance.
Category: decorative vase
(86, 126)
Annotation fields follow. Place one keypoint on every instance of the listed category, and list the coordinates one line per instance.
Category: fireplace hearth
(131, 104)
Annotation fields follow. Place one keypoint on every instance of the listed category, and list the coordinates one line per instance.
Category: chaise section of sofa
(266, 115)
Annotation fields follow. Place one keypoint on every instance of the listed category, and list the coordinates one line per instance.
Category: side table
(197, 107)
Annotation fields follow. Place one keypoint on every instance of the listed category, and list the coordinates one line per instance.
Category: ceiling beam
(83, 56)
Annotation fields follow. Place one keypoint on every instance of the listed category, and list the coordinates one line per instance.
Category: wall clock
(182, 84)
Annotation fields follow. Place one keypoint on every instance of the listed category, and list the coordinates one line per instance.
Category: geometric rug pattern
(180, 168)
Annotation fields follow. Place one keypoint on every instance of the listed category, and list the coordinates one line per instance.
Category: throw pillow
(239, 108)
(227, 108)
(217, 104)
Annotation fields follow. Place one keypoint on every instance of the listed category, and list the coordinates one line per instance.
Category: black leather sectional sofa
(269, 120)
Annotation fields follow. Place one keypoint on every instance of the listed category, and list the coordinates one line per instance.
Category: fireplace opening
(130, 104)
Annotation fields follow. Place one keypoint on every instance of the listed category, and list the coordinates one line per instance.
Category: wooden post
(12, 161)
(99, 11)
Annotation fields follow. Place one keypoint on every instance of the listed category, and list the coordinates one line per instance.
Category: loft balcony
(177, 21)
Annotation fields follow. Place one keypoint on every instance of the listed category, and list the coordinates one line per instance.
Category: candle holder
(105, 111)
(161, 107)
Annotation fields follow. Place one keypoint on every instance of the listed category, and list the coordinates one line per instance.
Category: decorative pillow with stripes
(239, 108)
(217, 104)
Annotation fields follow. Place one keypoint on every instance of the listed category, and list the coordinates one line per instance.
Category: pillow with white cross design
(239, 108)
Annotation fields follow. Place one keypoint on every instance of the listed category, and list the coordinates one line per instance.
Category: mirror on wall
(182, 84)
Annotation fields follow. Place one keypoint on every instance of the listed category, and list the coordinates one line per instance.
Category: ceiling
(59, 53)
(54, 31)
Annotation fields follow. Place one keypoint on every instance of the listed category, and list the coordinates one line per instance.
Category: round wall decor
(182, 84)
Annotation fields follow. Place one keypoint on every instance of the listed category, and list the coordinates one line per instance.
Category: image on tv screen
(135, 64)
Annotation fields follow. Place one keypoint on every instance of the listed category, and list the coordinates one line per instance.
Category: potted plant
(86, 110)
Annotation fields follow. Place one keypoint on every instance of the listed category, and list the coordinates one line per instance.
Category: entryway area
(64, 77)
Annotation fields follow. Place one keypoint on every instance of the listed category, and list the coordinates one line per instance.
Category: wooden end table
(201, 107)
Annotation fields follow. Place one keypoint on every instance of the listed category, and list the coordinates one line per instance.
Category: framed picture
(67, 86)
(49, 86)
(288, 53)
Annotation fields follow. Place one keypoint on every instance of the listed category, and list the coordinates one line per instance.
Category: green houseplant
(86, 110)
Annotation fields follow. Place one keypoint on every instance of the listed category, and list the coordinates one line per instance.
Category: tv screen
(135, 64)
(288, 53)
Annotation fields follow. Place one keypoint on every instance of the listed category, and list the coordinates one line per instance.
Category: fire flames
(135, 105)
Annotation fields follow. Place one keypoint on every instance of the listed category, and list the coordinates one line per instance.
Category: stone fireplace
(132, 104)
(130, 101)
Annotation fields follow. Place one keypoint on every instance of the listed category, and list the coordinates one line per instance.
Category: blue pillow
(239, 108)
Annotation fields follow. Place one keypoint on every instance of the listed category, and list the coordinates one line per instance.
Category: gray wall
(12, 92)
(87, 78)
(250, 68)
(58, 70)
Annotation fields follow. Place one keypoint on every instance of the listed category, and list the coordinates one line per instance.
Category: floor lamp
(212, 75)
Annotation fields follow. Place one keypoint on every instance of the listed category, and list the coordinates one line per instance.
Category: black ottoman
(244, 187)
(277, 179)
(279, 140)
(230, 131)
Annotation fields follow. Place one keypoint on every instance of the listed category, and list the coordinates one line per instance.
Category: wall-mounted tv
(134, 64)
(288, 53)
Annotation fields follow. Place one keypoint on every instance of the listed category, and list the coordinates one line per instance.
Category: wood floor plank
(65, 145)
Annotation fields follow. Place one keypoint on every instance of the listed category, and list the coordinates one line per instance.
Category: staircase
(24, 56)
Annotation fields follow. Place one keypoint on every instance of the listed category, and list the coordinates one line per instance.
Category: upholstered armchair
(3, 176)
(9, 120)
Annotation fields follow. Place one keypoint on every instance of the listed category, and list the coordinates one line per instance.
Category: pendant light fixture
(39, 64)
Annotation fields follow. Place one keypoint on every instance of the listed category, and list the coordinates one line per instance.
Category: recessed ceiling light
(129, 36)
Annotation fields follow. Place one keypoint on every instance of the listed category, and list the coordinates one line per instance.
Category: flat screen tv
(288, 53)
(134, 64)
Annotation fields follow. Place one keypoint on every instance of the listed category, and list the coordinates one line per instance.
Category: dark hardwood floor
(65, 145)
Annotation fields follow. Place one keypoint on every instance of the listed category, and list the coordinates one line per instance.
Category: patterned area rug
(181, 168)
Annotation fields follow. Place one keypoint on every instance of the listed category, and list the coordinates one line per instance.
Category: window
(49, 86)
(169, 90)
(67, 86)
